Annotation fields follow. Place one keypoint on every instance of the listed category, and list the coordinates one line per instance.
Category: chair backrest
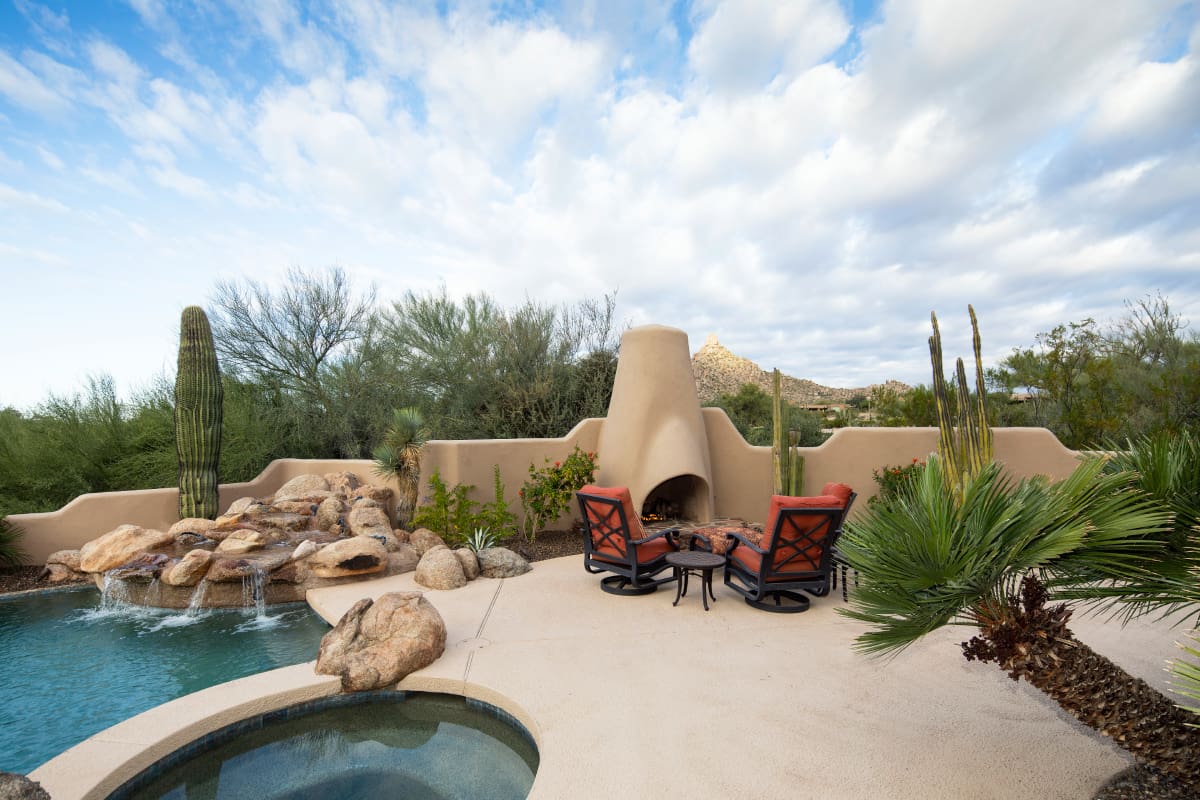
(609, 517)
(800, 532)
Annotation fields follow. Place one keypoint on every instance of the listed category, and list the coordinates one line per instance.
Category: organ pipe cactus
(785, 454)
(198, 397)
(964, 438)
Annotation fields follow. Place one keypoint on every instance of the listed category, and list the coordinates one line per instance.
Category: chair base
(797, 602)
(620, 585)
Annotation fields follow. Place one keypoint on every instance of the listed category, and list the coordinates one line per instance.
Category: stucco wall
(741, 474)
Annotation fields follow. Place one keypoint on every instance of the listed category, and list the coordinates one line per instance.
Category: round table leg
(679, 585)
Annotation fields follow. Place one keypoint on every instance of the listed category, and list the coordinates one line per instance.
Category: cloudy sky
(805, 178)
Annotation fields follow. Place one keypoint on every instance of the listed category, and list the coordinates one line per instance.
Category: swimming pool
(73, 667)
(353, 747)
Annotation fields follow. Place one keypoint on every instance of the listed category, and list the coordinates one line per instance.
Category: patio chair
(795, 553)
(614, 541)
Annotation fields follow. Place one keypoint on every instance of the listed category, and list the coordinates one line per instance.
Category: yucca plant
(983, 557)
(11, 554)
(399, 457)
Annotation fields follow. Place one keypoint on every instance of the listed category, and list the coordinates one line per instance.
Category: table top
(695, 559)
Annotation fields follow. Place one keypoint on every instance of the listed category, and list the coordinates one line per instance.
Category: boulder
(291, 572)
(470, 564)
(67, 558)
(189, 570)
(119, 546)
(378, 643)
(141, 569)
(365, 502)
(343, 484)
(194, 525)
(380, 494)
(304, 550)
(281, 521)
(404, 559)
(358, 555)
(330, 512)
(20, 787)
(401, 535)
(439, 568)
(500, 562)
(424, 539)
(227, 569)
(240, 505)
(243, 541)
(60, 573)
(193, 540)
(303, 487)
(368, 521)
(229, 521)
(306, 508)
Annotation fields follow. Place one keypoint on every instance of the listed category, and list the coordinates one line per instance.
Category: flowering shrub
(547, 494)
(894, 480)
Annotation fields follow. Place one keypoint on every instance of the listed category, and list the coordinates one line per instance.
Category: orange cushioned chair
(615, 541)
(795, 552)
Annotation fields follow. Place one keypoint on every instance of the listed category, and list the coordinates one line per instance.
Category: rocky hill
(719, 372)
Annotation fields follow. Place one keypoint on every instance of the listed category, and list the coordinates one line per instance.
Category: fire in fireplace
(679, 498)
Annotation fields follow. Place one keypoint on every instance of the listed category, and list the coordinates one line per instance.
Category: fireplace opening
(680, 498)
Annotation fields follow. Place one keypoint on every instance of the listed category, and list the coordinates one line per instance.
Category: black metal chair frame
(803, 527)
(611, 526)
(838, 559)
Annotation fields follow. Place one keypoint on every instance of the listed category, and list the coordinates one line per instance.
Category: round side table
(694, 562)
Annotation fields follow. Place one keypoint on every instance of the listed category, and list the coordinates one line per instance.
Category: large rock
(424, 539)
(60, 573)
(370, 521)
(380, 494)
(243, 541)
(68, 558)
(240, 505)
(189, 570)
(376, 644)
(439, 568)
(281, 521)
(304, 550)
(20, 787)
(120, 545)
(470, 563)
(403, 559)
(358, 555)
(303, 487)
(142, 569)
(306, 508)
(330, 512)
(192, 525)
(343, 484)
(224, 569)
(500, 562)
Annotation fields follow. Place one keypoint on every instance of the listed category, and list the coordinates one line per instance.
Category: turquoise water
(71, 668)
(386, 745)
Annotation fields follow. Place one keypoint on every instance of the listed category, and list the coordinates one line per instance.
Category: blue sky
(805, 179)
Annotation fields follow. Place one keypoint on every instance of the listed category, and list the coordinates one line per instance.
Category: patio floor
(630, 697)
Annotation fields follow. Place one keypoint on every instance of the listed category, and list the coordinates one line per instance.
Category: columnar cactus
(965, 440)
(198, 396)
(788, 463)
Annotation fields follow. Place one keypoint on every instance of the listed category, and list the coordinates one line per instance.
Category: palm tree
(985, 557)
(399, 457)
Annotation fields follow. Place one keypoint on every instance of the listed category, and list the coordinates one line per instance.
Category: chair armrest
(736, 538)
(671, 533)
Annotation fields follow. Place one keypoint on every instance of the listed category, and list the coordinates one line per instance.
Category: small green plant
(547, 494)
(495, 515)
(892, 481)
(482, 539)
(447, 512)
(11, 554)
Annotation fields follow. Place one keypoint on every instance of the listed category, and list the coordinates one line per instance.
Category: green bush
(895, 482)
(495, 516)
(547, 494)
(11, 554)
(448, 512)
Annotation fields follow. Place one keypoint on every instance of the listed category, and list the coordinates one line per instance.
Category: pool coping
(752, 703)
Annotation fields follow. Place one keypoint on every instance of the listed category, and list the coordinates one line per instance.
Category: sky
(805, 179)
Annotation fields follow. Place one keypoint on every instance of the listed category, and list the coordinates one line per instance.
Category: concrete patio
(631, 697)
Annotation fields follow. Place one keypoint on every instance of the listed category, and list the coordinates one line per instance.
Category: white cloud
(26, 89)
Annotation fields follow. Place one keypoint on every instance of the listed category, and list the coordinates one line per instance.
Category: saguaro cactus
(785, 454)
(964, 440)
(198, 397)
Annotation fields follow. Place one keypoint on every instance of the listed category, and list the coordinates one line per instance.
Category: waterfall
(196, 603)
(114, 594)
(254, 592)
(153, 596)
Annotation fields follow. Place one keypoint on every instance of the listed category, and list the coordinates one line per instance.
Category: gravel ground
(1142, 782)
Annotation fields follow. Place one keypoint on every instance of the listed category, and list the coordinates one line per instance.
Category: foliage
(750, 412)
(448, 512)
(399, 457)
(964, 438)
(10, 544)
(547, 494)
(199, 399)
(894, 481)
(495, 514)
(482, 539)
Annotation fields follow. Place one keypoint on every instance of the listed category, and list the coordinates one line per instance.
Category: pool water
(353, 747)
(73, 667)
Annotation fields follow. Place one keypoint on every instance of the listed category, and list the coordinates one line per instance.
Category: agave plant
(399, 457)
(482, 539)
(984, 558)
